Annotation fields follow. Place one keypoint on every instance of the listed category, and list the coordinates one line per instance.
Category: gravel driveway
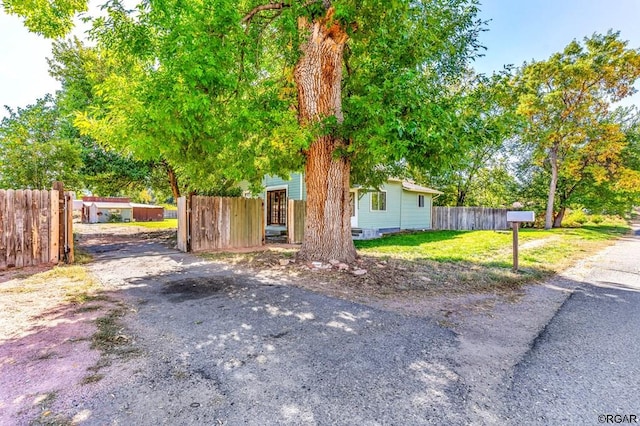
(222, 347)
(205, 342)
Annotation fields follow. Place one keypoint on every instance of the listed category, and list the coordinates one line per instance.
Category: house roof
(408, 186)
(107, 205)
(119, 205)
(145, 206)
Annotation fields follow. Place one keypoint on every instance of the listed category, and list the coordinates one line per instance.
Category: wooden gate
(36, 227)
(218, 223)
(295, 221)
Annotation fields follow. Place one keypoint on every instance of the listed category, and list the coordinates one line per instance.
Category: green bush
(597, 219)
(575, 219)
(115, 217)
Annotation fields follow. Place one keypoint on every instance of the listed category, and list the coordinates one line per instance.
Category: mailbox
(520, 216)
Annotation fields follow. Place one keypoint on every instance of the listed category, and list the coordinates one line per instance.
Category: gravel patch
(209, 342)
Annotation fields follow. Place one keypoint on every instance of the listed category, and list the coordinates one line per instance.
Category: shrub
(575, 219)
(115, 217)
(597, 219)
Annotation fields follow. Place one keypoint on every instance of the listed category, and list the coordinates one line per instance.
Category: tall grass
(542, 249)
(164, 224)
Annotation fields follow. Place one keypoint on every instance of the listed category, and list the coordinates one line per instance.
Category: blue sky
(519, 30)
(522, 30)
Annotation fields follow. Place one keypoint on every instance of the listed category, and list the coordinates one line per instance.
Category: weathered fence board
(295, 221)
(214, 223)
(469, 218)
(3, 230)
(45, 227)
(29, 228)
(10, 229)
(68, 221)
(183, 225)
(54, 230)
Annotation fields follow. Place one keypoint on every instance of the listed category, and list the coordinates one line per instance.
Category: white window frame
(371, 209)
(355, 213)
(423, 203)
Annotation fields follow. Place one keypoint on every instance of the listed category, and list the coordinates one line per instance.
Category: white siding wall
(293, 185)
(414, 217)
(388, 219)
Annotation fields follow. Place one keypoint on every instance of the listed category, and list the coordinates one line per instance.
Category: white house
(398, 205)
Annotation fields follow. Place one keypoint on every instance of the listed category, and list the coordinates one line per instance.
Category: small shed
(105, 211)
(147, 212)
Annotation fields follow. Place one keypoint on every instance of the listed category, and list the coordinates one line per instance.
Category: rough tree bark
(318, 77)
(557, 220)
(172, 178)
(173, 181)
(553, 159)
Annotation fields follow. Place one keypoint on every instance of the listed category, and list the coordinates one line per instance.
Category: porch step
(275, 232)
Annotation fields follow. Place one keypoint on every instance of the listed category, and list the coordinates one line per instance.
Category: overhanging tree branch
(270, 6)
(278, 6)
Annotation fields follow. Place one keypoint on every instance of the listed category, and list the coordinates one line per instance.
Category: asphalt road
(216, 346)
(584, 368)
(222, 347)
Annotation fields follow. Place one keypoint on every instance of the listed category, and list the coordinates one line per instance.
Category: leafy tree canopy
(106, 169)
(486, 122)
(208, 86)
(237, 89)
(51, 18)
(574, 136)
(37, 149)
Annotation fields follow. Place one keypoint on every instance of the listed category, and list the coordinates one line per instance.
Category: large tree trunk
(461, 198)
(173, 181)
(553, 159)
(318, 77)
(557, 221)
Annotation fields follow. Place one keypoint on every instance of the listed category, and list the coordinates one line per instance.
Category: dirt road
(220, 346)
(199, 342)
(587, 356)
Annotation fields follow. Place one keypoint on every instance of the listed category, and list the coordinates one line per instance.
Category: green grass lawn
(436, 263)
(165, 224)
(541, 250)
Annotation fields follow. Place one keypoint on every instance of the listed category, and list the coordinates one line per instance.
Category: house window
(420, 200)
(378, 201)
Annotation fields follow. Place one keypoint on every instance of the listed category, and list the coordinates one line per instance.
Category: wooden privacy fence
(35, 227)
(215, 223)
(468, 218)
(296, 211)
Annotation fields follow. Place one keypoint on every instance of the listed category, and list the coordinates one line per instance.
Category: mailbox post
(515, 217)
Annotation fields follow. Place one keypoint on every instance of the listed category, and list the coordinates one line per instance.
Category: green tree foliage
(230, 90)
(574, 138)
(171, 92)
(620, 194)
(51, 18)
(105, 170)
(218, 88)
(486, 122)
(37, 148)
